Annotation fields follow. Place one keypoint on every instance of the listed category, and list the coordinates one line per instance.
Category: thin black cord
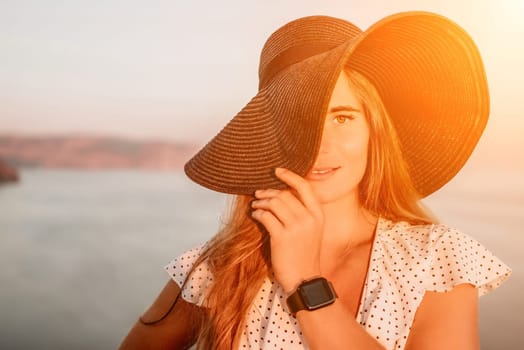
(148, 323)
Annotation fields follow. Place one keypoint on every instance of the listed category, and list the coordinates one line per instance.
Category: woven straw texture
(426, 69)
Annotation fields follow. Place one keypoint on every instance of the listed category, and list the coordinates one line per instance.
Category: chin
(331, 195)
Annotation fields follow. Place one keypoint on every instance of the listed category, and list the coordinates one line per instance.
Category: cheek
(356, 151)
(356, 154)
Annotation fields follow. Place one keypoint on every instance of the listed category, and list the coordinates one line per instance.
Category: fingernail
(279, 171)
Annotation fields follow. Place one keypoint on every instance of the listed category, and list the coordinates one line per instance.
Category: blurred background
(102, 102)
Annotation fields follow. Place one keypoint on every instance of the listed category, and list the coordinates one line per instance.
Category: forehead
(344, 94)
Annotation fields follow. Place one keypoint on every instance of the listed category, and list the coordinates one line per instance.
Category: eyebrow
(344, 109)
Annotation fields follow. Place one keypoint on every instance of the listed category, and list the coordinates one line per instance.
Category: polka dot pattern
(199, 281)
(406, 261)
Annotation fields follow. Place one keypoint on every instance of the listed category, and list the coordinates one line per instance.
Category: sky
(179, 70)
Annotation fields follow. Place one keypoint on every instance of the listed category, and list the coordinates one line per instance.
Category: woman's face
(342, 158)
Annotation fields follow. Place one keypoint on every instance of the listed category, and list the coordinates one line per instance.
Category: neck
(347, 225)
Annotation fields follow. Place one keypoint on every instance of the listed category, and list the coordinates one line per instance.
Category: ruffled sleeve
(198, 282)
(457, 258)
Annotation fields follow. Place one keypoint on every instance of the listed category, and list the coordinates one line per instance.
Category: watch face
(316, 293)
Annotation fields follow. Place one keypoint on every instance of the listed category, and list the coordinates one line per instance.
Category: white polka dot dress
(406, 261)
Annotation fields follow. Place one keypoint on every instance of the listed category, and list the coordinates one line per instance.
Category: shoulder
(180, 265)
(444, 256)
(418, 237)
(401, 240)
(426, 240)
(191, 274)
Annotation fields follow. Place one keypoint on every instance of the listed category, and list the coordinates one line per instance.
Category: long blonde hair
(239, 255)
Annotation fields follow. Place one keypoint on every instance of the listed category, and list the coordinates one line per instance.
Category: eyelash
(336, 119)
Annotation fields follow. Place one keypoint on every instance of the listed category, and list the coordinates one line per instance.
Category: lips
(321, 173)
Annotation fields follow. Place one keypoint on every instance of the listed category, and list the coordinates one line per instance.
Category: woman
(327, 245)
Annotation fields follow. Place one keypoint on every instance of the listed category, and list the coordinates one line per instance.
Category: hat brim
(428, 72)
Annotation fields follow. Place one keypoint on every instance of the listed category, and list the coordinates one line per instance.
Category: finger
(260, 194)
(284, 210)
(300, 185)
(287, 196)
(270, 222)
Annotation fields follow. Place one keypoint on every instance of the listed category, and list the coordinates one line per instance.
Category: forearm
(334, 327)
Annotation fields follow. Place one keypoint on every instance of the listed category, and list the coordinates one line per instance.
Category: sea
(82, 252)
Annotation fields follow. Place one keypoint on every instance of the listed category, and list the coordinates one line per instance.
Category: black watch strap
(295, 303)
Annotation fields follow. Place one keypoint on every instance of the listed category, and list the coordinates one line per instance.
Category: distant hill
(86, 152)
(7, 172)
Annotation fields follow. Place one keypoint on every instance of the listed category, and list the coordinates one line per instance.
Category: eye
(342, 119)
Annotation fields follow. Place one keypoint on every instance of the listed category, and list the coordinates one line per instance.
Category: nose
(325, 142)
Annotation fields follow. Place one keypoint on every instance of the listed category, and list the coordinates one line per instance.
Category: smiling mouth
(321, 173)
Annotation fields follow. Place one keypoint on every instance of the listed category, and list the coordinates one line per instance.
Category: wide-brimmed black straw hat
(426, 69)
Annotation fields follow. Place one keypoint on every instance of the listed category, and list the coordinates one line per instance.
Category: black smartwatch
(311, 295)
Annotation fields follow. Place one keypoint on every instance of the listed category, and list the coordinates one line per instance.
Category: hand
(294, 220)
